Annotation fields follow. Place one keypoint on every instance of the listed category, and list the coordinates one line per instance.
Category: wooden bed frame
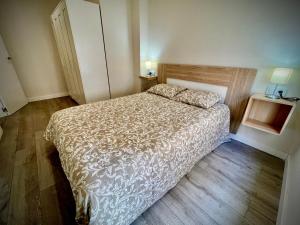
(237, 80)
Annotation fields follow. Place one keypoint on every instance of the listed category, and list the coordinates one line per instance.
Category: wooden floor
(236, 184)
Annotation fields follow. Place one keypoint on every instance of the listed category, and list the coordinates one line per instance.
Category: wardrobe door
(76, 76)
(85, 23)
(63, 38)
(61, 46)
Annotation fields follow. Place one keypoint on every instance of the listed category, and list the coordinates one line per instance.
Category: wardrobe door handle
(8, 58)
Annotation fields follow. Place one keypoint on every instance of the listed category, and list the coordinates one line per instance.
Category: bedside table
(268, 115)
(148, 81)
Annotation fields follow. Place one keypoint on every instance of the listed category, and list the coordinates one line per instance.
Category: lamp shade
(148, 65)
(281, 75)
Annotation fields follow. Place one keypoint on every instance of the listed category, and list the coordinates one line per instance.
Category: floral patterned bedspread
(124, 154)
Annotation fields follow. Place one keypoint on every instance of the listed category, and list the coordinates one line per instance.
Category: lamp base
(272, 96)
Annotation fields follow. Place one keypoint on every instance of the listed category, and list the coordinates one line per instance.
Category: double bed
(122, 155)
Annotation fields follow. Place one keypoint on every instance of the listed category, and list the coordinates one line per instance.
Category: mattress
(122, 155)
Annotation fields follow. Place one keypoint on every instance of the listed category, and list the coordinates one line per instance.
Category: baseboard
(44, 97)
(260, 146)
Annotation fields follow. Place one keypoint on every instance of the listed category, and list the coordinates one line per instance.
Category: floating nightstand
(148, 81)
(269, 115)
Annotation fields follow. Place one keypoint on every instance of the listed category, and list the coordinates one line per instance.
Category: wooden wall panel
(238, 81)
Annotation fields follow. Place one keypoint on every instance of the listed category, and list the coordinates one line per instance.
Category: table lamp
(280, 76)
(148, 65)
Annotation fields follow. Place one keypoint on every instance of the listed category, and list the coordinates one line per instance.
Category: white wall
(258, 34)
(26, 31)
(288, 213)
(135, 22)
(118, 34)
(290, 199)
(144, 34)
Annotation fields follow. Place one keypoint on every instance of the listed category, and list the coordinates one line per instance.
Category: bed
(122, 155)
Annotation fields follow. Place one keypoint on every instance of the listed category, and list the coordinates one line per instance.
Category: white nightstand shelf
(269, 115)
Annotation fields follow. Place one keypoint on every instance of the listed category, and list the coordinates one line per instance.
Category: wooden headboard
(237, 80)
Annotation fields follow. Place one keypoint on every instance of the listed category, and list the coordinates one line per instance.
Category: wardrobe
(78, 33)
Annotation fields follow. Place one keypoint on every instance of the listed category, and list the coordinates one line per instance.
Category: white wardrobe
(78, 32)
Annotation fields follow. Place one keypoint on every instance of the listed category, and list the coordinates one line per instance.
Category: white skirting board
(260, 146)
(44, 97)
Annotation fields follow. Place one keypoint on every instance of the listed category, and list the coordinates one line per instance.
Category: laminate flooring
(235, 184)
